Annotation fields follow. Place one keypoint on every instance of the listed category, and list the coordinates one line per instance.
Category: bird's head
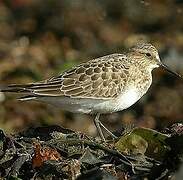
(147, 55)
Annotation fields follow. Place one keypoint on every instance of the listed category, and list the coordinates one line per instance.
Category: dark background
(42, 38)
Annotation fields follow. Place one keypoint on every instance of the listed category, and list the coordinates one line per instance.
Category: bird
(102, 85)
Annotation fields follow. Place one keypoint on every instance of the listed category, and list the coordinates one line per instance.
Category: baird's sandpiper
(103, 85)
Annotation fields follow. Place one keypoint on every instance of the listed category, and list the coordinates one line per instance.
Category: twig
(123, 158)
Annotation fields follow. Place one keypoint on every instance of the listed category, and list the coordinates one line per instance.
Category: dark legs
(109, 132)
(98, 124)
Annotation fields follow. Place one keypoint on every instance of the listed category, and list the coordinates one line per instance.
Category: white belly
(127, 99)
(89, 105)
(123, 101)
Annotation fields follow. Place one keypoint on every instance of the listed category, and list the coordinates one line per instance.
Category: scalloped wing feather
(101, 78)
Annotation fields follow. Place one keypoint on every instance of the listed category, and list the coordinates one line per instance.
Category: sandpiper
(103, 85)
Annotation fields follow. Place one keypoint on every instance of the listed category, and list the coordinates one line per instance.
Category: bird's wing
(103, 77)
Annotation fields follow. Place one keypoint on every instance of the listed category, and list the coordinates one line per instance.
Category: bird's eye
(148, 54)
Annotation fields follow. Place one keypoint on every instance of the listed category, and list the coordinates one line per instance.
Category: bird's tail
(20, 89)
(16, 88)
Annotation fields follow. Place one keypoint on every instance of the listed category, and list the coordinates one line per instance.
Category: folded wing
(101, 78)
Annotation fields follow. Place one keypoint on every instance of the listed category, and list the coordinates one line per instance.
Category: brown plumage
(103, 85)
(99, 78)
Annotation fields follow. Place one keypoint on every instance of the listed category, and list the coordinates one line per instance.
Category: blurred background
(42, 38)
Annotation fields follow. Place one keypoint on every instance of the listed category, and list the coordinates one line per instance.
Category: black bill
(170, 71)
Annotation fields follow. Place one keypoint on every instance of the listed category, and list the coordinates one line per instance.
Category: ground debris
(55, 152)
(43, 154)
